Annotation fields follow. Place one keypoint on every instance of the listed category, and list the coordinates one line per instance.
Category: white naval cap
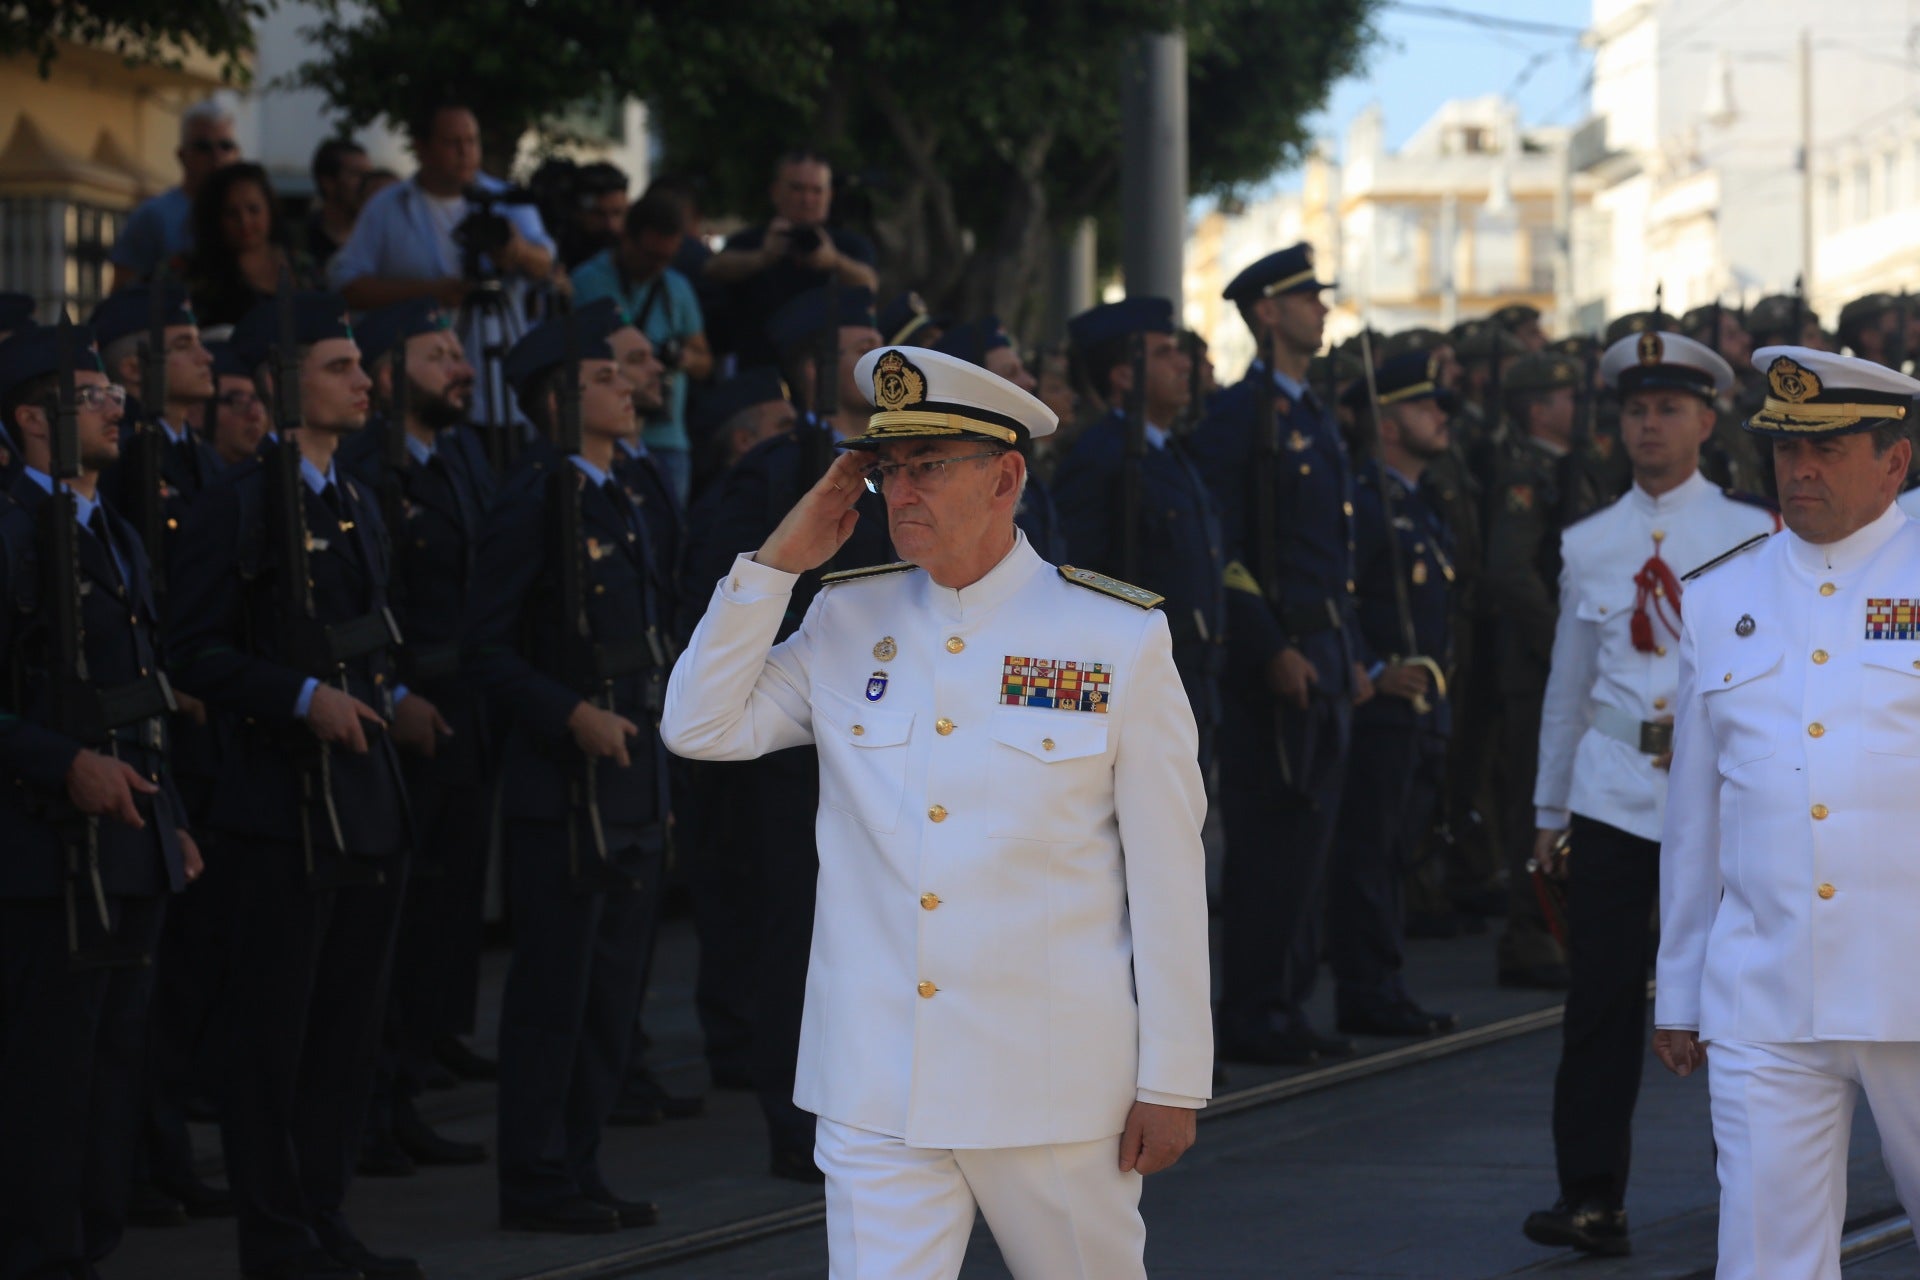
(1658, 361)
(1817, 393)
(926, 395)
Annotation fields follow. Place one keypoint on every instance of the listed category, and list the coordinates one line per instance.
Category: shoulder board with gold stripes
(1139, 597)
(1725, 556)
(871, 571)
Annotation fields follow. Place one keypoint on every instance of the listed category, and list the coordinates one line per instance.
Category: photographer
(661, 302)
(443, 232)
(766, 267)
(583, 204)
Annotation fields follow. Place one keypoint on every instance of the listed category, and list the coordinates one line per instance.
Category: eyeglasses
(925, 475)
(238, 401)
(100, 397)
(209, 146)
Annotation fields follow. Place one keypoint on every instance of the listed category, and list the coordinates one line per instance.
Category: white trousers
(1782, 1116)
(896, 1212)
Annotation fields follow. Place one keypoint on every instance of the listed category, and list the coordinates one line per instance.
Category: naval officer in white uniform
(1605, 740)
(1789, 866)
(1007, 1000)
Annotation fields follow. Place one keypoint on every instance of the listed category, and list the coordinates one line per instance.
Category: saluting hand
(336, 717)
(821, 522)
(102, 787)
(601, 733)
(1156, 1137)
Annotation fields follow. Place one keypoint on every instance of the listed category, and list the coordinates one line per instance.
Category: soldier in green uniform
(1523, 322)
(1539, 488)
(1874, 328)
(1731, 458)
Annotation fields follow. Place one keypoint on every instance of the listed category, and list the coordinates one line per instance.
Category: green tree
(141, 31)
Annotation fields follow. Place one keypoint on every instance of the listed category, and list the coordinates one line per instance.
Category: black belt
(424, 664)
(1311, 619)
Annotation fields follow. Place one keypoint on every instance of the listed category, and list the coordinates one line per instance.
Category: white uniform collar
(1852, 551)
(974, 602)
(1673, 499)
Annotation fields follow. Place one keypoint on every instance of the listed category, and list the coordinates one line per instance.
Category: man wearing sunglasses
(162, 228)
(1009, 964)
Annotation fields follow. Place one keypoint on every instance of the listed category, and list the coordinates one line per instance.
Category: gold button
(926, 990)
(1659, 535)
(599, 588)
(1046, 744)
(1816, 730)
(955, 644)
(1603, 609)
(1305, 469)
(1346, 509)
(1659, 704)
(172, 523)
(938, 813)
(1727, 678)
(1659, 592)
(1827, 588)
(1819, 813)
(928, 901)
(1350, 587)
(1820, 658)
(943, 726)
(859, 729)
(1827, 891)
(1659, 651)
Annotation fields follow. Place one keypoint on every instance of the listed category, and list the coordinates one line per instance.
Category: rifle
(1196, 408)
(818, 445)
(314, 648)
(80, 710)
(1799, 338)
(1396, 561)
(1896, 346)
(1133, 462)
(1660, 306)
(582, 659)
(142, 457)
(1266, 523)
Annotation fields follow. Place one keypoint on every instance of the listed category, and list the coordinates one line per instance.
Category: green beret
(1544, 371)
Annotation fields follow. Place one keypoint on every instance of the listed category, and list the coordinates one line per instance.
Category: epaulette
(1139, 597)
(1725, 556)
(1237, 577)
(871, 571)
(1759, 500)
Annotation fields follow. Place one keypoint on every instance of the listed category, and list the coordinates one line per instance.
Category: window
(57, 250)
(1889, 181)
(1862, 192)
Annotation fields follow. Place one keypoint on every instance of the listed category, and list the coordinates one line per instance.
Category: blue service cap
(1405, 377)
(971, 341)
(127, 312)
(801, 320)
(595, 320)
(380, 331)
(35, 350)
(316, 318)
(16, 311)
(905, 316)
(750, 387)
(545, 346)
(227, 362)
(1288, 271)
(1118, 320)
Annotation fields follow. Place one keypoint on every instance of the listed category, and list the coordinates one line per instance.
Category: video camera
(804, 241)
(485, 230)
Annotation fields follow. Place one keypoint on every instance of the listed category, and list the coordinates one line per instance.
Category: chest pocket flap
(1050, 736)
(1740, 701)
(1589, 610)
(858, 724)
(1890, 694)
(1731, 665)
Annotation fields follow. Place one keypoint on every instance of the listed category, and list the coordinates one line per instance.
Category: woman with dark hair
(240, 246)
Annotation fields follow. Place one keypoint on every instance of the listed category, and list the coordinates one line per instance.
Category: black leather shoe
(149, 1206)
(199, 1198)
(1388, 1020)
(645, 1101)
(381, 1156)
(372, 1266)
(796, 1166)
(1588, 1226)
(315, 1265)
(579, 1217)
(1331, 1046)
(731, 1079)
(1432, 924)
(423, 1146)
(632, 1213)
(462, 1061)
(1536, 977)
(1270, 1050)
(1442, 1022)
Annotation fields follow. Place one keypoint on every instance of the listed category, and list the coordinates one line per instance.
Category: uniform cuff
(304, 703)
(1170, 1100)
(750, 580)
(1552, 819)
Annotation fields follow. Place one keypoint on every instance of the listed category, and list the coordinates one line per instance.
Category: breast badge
(1055, 684)
(876, 686)
(886, 650)
(1893, 619)
(1744, 627)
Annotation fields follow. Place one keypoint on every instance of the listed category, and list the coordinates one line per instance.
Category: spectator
(596, 207)
(340, 167)
(412, 241)
(163, 227)
(661, 304)
(240, 246)
(768, 266)
(373, 182)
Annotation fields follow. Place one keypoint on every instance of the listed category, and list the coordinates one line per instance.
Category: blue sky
(1424, 59)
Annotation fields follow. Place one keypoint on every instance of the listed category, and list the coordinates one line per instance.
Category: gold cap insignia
(1652, 349)
(1792, 381)
(1307, 252)
(1433, 366)
(896, 383)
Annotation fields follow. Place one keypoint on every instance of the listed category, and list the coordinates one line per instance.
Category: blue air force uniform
(1281, 767)
(573, 989)
(72, 1041)
(312, 950)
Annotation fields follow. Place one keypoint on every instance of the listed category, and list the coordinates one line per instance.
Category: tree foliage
(140, 31)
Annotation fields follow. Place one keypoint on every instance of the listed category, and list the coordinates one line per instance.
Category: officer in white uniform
(1605, 739)
(1789, 870)
(1007, 1000)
